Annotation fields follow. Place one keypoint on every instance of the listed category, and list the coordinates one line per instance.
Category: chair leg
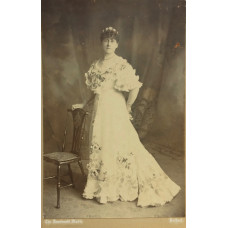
(81, 167)
(71, 174)
(58, 186)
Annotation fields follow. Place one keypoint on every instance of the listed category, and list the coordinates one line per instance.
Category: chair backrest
(79, 117)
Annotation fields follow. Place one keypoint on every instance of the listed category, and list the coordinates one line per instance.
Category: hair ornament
(110, 32)
(109, 29)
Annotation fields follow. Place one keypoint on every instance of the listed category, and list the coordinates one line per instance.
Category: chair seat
(61, 156)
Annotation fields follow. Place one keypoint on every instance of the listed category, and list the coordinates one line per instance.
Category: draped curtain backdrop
(152, 39)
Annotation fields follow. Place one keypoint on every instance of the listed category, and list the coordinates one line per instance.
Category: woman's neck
(107, 60)
(108, 56)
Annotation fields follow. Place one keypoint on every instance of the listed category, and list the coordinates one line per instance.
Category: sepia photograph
(113, 111)
(121, 113)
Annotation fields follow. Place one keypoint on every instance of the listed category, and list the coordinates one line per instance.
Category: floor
(74, 206)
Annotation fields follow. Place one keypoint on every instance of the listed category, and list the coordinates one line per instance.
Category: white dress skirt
(120, 168)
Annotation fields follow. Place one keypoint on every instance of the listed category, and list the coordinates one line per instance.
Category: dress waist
(108, 91)
(110, 96)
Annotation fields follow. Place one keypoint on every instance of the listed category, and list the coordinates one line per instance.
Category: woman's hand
(129, 108)
(129, 112)
(75, 106)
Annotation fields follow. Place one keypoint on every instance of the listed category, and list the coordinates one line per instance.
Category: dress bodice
(117, 74)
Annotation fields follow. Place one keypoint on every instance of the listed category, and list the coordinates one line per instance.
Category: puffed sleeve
(126, 79)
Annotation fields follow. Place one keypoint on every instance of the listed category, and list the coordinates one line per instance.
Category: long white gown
(119, 167)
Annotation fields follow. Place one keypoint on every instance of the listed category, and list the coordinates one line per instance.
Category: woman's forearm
(132, 96)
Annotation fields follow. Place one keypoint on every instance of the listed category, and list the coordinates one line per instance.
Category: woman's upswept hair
(110, 32)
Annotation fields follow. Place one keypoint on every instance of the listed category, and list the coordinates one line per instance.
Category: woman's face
(109, 45)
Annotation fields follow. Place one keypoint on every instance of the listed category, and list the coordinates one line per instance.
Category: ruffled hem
(106, 199)
(147, 197)
(140, 203)
(156, 201)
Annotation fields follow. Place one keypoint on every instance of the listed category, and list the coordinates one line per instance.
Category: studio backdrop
(152, 39)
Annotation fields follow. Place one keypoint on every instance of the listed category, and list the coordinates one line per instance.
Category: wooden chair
(66, 158)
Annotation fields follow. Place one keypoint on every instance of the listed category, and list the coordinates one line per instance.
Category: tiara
(109, 29)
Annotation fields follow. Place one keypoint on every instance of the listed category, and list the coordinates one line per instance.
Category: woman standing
(120, 168)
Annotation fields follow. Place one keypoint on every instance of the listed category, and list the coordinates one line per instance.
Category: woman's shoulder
(123, 63)
(121, 60)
